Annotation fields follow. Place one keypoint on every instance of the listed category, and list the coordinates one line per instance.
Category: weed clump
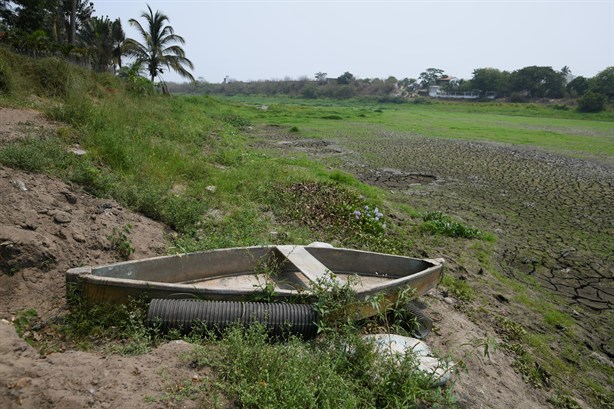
(121, 242)
(439, 223)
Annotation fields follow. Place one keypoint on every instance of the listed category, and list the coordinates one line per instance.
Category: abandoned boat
(283, 273)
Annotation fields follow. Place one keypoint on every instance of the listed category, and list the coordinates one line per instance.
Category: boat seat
(307, 264)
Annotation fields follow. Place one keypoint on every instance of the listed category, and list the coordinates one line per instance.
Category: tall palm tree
(159, 48)
(118, 37)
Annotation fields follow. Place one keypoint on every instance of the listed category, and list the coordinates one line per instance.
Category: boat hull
(281, 273)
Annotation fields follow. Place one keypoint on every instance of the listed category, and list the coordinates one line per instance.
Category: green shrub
(136, 84)
(439, 223)
(591, 102)
(238, 121)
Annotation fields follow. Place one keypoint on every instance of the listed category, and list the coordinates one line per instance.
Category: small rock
(70, 198)
(502, 298)
(29, 226)
(449, 300)
(105, 207)
(77, 150)
(396, 346)
(78, 237)
(62, 218)
(20, 185)
(20, 383)
(211, 189)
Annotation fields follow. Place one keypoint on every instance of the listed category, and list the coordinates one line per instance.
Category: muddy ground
(48, 226)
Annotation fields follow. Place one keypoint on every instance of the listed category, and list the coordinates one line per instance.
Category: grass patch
(36, 154)
(439, 223)
(460, 289)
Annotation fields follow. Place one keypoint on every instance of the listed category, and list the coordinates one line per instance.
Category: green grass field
(565, 132)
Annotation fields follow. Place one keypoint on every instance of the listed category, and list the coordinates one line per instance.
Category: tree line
(69, 29)
(522, 85)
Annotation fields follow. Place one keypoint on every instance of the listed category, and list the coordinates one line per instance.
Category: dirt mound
(76, 379)
(47, 227)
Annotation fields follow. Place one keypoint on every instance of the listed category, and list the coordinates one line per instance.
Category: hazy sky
(259, 39)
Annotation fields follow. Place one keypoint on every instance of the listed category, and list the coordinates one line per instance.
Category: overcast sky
(253, 40)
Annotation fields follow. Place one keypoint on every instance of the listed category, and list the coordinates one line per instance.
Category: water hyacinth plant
(371, 220)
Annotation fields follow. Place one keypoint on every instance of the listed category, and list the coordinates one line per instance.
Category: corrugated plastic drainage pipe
(279, 319)
(424, 323)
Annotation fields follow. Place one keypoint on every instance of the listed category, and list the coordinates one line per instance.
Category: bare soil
(48, 226)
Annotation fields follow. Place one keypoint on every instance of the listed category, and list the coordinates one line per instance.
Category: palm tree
(118, 37)
(159, 48)
(95, 37)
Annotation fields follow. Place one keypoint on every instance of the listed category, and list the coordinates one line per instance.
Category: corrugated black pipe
(423, 323)
(280, 319)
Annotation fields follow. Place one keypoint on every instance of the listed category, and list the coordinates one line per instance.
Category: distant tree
(578, 86)
(539, 82)
(430, 76)
(27, 16)
(346, 78)
(321, 76)
(565, 70)
(591, 102)
(490, 79)
(409, 84)
(159, 48)
(603, 82)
